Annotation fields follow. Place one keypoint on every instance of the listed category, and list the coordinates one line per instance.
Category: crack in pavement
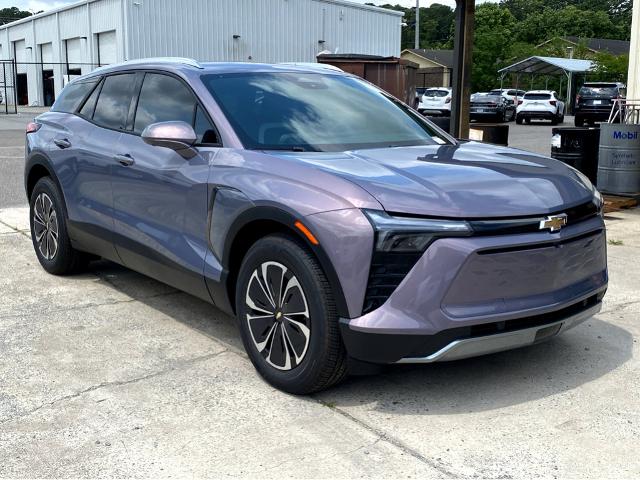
(180, 364)
(392, 440)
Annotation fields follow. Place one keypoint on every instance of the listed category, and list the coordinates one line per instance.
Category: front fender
(232, 213)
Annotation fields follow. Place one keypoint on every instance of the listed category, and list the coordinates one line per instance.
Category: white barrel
(619, 158)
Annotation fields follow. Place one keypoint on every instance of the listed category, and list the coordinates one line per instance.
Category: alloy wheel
(278, 315)
(45, 226)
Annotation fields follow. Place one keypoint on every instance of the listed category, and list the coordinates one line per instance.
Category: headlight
(409, 234)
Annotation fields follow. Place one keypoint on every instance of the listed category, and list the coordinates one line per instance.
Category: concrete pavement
(111, 374)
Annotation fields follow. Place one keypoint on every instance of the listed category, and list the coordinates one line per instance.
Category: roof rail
(182, 60)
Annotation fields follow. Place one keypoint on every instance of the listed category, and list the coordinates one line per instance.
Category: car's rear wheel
(519, 119)
(288, 317)
(49, 230)
(579, 121)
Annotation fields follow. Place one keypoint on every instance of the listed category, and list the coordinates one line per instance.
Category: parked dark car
(338, 225)
(492, 108)
(595, 101)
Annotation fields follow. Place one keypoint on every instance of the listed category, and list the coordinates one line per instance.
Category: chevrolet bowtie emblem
(554, 222)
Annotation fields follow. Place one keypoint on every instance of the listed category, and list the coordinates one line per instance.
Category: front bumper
(510, 289)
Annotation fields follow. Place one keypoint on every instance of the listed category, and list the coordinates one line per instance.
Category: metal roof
(549, 66)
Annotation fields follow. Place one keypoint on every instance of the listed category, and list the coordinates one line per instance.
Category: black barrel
(443, 122)
(578, 147)
(489, 133)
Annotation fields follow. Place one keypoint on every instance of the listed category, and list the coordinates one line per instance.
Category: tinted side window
(89, 104)
(113, 104)
(163, 99)
(72, 96)
(204, 130)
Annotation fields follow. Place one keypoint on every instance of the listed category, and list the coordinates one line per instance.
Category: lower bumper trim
(476, 346)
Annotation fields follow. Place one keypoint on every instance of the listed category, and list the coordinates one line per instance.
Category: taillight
(552, 102)
(519, 102)
(448, 100)
(33, 127)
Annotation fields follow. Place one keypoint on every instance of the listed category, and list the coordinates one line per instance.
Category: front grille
(387, 271)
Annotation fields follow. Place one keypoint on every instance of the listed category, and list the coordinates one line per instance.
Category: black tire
(554, 120)
(579, 121)
(519, 119)
(57, 256)
(323, 360)
(527, 120)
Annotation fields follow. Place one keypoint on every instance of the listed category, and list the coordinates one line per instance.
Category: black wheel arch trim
(41, 160)
(269, 211)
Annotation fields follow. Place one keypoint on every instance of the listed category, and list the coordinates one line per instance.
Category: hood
(469, 180)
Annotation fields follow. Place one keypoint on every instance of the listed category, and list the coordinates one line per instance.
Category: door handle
(124, 159)
(62, 142)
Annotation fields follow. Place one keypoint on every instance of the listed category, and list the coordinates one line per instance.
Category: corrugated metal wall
(265, 30)
(79, 25)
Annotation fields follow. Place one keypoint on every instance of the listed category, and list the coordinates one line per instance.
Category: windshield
(599, 91)
(498, 92)
(436, 93)
(314, 112)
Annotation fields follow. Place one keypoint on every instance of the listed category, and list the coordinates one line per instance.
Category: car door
(160, 198)
(88, 143)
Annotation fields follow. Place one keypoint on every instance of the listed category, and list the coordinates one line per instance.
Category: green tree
(435, 25)
(494, 34)
(610, 68)
(12, 14)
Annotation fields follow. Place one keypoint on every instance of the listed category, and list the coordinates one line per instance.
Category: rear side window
(112, 108)
(89, 104)
(72, 96)
(163, 99)
(537, 96)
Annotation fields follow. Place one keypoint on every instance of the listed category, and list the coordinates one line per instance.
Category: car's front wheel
(49, 230)
(288, 317)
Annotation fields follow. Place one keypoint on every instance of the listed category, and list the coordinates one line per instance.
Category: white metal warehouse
(54, 46)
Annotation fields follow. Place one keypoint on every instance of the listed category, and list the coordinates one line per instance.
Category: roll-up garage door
(107, 48)
(46, 54)
(20, 50)
(74, 53)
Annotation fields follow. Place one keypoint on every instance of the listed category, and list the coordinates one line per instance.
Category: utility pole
(417, 44)
(463, 46)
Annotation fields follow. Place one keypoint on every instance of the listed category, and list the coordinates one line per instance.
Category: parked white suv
(436, 101)
(540, 104)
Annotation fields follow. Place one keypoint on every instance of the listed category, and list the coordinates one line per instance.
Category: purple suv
(339, 226)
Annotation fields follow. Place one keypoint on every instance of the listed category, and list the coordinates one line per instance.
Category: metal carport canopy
(548, 66)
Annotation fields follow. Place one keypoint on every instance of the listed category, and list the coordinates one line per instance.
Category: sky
(37, 5)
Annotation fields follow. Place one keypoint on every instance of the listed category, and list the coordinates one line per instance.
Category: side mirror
(178, 136)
